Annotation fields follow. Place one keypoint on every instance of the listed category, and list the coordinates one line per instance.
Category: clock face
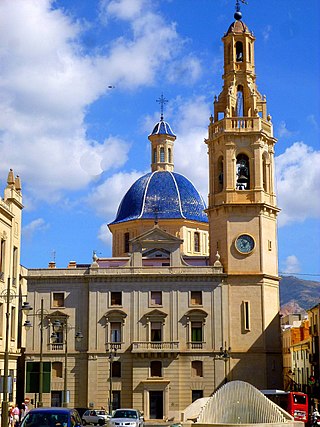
(245, 243)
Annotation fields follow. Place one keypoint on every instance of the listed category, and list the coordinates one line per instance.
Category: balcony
(240, 124)
(196, 345)
(155, 346)
(113, 346)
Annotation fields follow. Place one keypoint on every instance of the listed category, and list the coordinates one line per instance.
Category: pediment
(156, 238)
(115, 314)
(196, 313)
(156, 314)
(57, 314)
(156, 253)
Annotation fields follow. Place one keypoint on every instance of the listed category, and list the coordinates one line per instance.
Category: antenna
(162, 100)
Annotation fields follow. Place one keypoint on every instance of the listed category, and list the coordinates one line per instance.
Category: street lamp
(8, 295)
(225, 356)
(111, 357)
(65, 327)
(28, 325)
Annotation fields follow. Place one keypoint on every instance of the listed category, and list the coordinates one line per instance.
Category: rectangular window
(196, 394)
(15, 266)
(58, 299)
(196, 331)
(196, 368)
(156, 331)
(13, 323)
(269, 245)
(1, 319)
(156, 298)
(246, 315)
(196, 298)
(2, 257)
(116, 369)
(56, 369)
(115, 331)
(116, 399)
(116, 298)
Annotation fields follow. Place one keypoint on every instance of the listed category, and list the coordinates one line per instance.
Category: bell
(242, 179)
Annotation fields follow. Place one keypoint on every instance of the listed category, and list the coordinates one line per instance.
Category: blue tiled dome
(162, 195)
(162, 128)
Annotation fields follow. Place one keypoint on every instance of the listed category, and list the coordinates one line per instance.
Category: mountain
(298, 295)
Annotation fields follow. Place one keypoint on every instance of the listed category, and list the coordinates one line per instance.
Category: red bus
(294, 402)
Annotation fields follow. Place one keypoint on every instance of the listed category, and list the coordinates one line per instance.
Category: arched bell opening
(240, 102)
(242, 172)
(239, 51)
(162, 154)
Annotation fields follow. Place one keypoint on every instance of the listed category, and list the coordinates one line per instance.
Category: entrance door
(156, 405)
(56, 398)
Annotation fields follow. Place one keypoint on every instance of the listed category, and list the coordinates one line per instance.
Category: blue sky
(78, 144)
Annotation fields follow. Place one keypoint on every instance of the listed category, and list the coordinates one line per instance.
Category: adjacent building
(190, 297)
(11, 287)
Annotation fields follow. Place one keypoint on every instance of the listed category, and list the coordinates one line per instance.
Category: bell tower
(242, 206)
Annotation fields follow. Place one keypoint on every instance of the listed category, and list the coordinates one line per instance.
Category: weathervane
(162, 100)
(238, 4)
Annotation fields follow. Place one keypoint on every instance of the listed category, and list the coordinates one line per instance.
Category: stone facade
(162, 327)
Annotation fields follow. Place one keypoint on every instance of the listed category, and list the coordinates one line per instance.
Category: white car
(126, 418)
(95, 416)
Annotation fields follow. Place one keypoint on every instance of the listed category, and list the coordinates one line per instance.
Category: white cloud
(266, 32)
(291, 265)
(104, 235)
(48, 82)
(283, 131)
(298, 177)
(190, 152)
(34, 226)
(107, 196)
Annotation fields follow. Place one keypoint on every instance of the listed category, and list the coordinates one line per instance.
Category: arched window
(220, 173)
(169, 155)
(126, 242)
(239, 52)
(197, 241)
(154, 155)
(156, 368)
(161, 154)
(242, 172)
(196, 368)
(240, 101)
(265, 173)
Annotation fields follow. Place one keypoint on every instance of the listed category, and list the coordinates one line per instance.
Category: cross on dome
(162, 100)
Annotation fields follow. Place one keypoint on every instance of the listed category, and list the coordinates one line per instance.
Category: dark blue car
(51, 417)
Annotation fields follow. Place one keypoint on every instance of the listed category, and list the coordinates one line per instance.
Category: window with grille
(197, 242)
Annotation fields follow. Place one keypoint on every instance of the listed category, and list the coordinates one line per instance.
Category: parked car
(126, 417)
(95, 416)
(51, 417)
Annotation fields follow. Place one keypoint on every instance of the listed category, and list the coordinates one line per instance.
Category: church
(190, 297)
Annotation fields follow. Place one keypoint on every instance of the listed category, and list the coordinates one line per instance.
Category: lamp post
(7, 295)
(112, 355)
(28, 325)
(64, 326)
(225, 356)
